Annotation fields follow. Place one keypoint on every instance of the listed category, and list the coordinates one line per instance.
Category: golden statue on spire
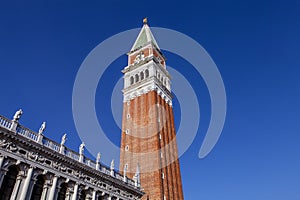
(145, 20)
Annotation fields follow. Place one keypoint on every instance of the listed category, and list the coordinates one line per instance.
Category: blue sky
(255, 45)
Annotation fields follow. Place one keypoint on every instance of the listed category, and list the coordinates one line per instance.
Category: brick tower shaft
(148, 145)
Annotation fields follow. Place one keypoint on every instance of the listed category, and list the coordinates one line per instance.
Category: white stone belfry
(146, 69)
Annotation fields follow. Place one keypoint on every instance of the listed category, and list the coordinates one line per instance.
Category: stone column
(53, 188)
(45, 190)
(16, 189)
(75, 192)
(2, 175)
(26, 184)
(94, 195)
(1, 161)
(2, 171)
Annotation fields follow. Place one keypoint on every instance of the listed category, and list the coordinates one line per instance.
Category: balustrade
(5, 123)
(34, 136)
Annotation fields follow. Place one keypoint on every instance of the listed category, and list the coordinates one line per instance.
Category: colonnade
(19, 181)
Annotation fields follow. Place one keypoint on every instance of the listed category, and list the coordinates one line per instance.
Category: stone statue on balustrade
(98, 157)
(17, 115)
(42, 128)
(112, 165)
(63, 139)
(81, 148)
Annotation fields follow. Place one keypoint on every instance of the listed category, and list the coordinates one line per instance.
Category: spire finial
(145, 20)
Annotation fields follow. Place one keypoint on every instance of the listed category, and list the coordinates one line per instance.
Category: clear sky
(255, 44)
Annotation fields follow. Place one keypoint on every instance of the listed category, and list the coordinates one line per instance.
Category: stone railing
(29, 134)
(34, 136)
(5, 123)
(51, 144)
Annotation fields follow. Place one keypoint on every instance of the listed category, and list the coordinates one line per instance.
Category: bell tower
(148, 145)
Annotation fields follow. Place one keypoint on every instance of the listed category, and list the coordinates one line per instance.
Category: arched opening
(142, 75)
(82, 195)
(104, 197)
(131, 80)
(62, 192)
(136, 78)
(8, 183)
(38, 188)
(147, 73)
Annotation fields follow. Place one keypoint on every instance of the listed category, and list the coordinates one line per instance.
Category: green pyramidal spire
(145, 37)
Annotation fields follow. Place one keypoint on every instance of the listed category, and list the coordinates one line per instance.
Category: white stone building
(33, 167)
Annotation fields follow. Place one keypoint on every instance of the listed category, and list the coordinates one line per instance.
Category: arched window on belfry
(142, 75)
(131, 80)
(136, 78)
(147, 73)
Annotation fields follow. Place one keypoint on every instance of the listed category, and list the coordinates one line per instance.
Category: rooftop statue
(98, 157)
(63, 139)
(42, 128)
(17, 115)
(81, 148)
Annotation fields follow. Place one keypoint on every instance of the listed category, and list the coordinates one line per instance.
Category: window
(131, 80)
(142, 75)
(8, 183)
(127, 131)
(126, 148)
(147, 73)
(128, 116)
(136, 78)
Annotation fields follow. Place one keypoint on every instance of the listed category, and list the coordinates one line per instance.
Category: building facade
(148, 143)
(33, 167)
